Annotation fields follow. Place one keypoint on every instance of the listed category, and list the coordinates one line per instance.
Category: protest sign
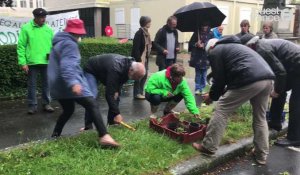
(10, 26)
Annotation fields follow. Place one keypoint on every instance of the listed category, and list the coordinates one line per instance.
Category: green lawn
(143, 151)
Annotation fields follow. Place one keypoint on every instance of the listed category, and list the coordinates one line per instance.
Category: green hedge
(13, 80)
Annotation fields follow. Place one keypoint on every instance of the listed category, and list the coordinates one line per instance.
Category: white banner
(10, 26)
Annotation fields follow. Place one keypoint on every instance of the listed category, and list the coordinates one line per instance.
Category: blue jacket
(216, 33)
(64, 69)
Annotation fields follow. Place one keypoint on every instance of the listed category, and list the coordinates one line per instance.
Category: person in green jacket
(34, 46)
(169, 86)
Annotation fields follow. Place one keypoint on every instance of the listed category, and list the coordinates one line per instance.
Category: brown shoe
(202, 150)
(258, 159)
(108, 142)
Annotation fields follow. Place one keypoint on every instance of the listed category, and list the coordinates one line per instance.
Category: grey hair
(137, 67)
(211, 43)
(268, 24)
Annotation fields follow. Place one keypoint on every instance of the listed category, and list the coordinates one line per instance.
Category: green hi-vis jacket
(34, 44)
(160, 85)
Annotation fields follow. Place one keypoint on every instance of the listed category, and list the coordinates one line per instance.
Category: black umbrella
(191, 17)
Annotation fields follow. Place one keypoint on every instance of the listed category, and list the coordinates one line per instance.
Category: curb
(201, 164)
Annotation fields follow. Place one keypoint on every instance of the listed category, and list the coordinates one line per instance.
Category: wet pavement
(17, 127)
(281, 161)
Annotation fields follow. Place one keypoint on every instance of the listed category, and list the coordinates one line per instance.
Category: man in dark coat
(112, 70)
(166, 44)
(246, 76)
(287, 55)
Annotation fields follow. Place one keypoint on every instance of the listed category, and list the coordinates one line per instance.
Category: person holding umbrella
(166, 44)
(199, 59)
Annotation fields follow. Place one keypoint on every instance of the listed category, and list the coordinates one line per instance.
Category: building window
(39, 3)
(31, 3)
(14, 4)
(23, 3)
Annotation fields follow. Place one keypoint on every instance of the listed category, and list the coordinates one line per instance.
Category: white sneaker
(198, 92)
(175, 112)
(140, 97)
(153, 116)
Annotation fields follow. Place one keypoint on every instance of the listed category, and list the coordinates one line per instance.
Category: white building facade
(22, 8)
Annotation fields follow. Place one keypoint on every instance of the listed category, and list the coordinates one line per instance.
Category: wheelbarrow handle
(127, 126)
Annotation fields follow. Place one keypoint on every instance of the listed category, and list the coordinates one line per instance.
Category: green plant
(13, 79)
(205, 114)
(143, 151)
(245, 110)
(180, 129)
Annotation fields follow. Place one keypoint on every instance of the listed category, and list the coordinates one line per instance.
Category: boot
(169, 106)
(153, 111)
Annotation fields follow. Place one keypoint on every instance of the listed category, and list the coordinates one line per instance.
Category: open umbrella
(191, 17)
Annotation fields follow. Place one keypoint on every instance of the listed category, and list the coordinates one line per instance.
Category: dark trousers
(111, 115)
(167, 63)
(138, 87)
(68, 106)
(155, 99)
(277, 107)
(93, 84)
(294, 113)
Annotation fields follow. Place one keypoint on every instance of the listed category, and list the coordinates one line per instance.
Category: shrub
(13, 80)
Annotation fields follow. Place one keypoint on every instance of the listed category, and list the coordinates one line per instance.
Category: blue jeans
(93, 83)
(200, 79)
(31, 85)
